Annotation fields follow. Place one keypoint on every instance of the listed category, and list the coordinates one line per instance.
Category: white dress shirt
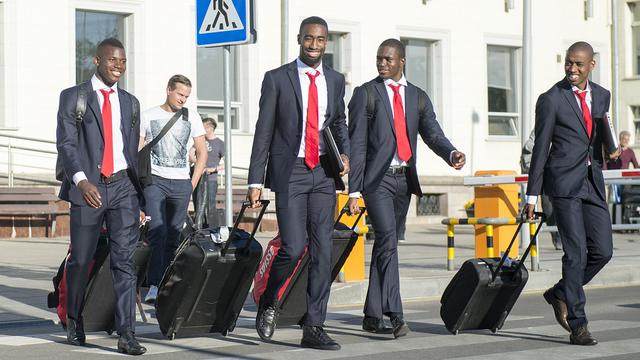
(321, 84)
(533, 199)
(119, 161)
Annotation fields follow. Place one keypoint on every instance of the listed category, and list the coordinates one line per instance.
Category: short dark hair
(396, 44)
(178, 79)
(109, 42)
(210, 121)
(313, 20)
(581, 46)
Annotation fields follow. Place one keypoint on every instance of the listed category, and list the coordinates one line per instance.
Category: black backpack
(81, 108)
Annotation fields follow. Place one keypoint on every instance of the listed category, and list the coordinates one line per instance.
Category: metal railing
(11, 148)
(489, 223)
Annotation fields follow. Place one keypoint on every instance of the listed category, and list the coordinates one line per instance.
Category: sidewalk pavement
(27, 266)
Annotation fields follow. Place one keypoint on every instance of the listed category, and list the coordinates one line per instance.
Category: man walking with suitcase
(566, 165)
(384, 172)
(99, 157)
(298, 100)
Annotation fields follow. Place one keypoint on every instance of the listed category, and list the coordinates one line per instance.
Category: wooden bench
(27, 212)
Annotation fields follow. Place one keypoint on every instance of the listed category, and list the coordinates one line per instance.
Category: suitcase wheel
(172, 336)
(494, 330)
(109, 332)
(455, 332)
(225, 332)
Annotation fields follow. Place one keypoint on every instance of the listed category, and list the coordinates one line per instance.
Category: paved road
(529, 333)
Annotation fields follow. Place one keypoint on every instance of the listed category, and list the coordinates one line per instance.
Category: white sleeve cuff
(451, 156)
(79, 176)
(532, 199)
(258, 186)
(356, 195)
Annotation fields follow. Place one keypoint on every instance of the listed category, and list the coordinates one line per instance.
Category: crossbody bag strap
(165, 129)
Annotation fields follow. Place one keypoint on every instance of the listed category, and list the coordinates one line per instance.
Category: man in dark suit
(566, 165)
(99, 157)
(298, 100)
(383, 159)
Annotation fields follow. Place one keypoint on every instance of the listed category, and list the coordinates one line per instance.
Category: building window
(337, 55)
(634, 7)
(502, 85)
(211, 85)
(3, 122)
(91, 28)
(635, 112)
(594, 75)
(420, 65)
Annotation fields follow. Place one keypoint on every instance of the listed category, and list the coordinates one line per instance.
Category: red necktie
(107, 157)
(311, 156)
(400, 124)
(585, 111)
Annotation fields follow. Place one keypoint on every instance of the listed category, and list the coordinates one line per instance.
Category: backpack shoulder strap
(81, 102)
(422, 101)
(371, 100)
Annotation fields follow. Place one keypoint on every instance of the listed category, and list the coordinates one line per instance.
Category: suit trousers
(585, 230)
(386, 206)
(120, 208)
(306, 211)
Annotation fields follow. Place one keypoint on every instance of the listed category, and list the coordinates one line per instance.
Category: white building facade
(467, 55)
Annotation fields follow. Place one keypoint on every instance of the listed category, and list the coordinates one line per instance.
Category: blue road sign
(223, 22)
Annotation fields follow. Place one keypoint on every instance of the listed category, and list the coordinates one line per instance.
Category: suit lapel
(94, 106)
(295, 82)
(411, 112)
(382, 93)
(571, 99)
(126, 117)
(331, 83)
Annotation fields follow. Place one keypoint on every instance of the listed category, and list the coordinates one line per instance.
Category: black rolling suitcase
(98, 313)
(204, 288)
(484, 290)
(293, 304)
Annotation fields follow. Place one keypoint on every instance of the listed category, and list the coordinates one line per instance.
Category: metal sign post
(225, 23)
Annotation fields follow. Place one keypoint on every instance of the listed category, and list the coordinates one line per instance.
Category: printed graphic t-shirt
(169, 157)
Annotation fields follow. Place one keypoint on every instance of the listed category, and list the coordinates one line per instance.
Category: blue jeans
(167, 202)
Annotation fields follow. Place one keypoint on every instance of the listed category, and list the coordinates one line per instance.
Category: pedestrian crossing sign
(224, 22)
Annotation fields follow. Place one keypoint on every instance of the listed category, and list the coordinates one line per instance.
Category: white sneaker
(151, 295)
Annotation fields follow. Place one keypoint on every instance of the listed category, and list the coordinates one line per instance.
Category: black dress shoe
(266, 322)
(559, 308)
(75, 332)
(127, 344)
(315, 337)
(582, 336)
(375, 325)
(400, 327)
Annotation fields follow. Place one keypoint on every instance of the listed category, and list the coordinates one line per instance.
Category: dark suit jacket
(373, 143)
(279, 127)
(562, 147)
(81, 149)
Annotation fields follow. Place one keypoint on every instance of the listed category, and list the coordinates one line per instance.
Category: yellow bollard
(489, 230)
(534, 247)
(450, 247)
(353, 268)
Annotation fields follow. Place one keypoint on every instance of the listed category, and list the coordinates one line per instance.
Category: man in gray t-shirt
(215, 150)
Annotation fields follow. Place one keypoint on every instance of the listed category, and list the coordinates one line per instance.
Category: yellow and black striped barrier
(489, 223)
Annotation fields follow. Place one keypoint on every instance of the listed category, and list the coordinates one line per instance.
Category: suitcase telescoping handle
(345, 210)
(245, 205)
(504, 257)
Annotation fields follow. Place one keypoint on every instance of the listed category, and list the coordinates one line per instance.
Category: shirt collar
(402, 81)
(304, 68)
(587, 89)
(97, 84)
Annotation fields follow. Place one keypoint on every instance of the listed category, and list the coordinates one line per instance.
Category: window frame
(634, 54)
(433, 78)
(515, 125)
